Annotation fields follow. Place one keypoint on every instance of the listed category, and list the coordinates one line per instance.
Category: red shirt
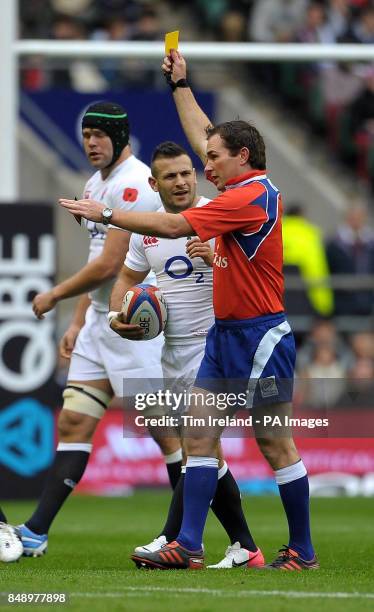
(248, 258)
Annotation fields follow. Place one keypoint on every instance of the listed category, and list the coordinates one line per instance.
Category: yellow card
(171, 41)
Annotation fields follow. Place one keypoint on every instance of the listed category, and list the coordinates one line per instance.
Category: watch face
(106, 215)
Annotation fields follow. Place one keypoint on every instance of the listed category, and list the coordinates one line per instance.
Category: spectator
(363, 370)
(340, 85)
(81, 75)
(323, 379)
(361, 30)
(338, 16)
(144, 73)
(84, 9)
(276, 20)
(304, 255)
(232, 26)
(211, 13)
(130, 9)
(323, 335)
(363, 346)
(35, 18)
(313, 29)
(360, 385)
(351, 251)
(116, 28)
(360, 113)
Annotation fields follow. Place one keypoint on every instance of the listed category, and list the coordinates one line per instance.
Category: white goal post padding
(212, 51)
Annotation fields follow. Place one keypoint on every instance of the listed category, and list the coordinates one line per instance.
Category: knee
(278, 452)
(200, 447)
(168, 446)
(83, 408)
(75, 427)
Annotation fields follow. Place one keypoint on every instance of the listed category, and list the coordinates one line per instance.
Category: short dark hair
(238, 134)
(167, 150)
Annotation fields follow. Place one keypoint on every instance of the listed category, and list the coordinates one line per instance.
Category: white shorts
(100, 353)
(179, 367)
(181, 363)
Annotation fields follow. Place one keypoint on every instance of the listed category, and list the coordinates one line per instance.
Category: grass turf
(92, 538)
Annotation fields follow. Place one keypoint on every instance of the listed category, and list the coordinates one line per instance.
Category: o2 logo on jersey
(130, 195)
(183, 270)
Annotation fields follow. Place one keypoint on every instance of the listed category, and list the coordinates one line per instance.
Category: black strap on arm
(172, 84)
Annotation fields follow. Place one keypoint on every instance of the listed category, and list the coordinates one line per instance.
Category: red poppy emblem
(130, 195)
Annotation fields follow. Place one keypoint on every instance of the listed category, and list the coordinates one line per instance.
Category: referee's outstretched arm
(194, 121)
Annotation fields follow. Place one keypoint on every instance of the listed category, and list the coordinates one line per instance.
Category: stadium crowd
(336, 100)
(336, 351)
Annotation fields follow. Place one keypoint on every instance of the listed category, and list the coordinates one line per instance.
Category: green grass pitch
(91, 540)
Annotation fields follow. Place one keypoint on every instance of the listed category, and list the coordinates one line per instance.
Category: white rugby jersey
(126, 188)
(187, 284)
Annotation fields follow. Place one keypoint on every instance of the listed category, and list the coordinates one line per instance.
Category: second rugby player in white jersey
(185, 276)
(100, 361)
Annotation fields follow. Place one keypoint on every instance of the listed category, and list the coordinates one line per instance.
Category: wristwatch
(107, 215)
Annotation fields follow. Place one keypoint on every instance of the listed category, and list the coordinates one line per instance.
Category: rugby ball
(145, 305)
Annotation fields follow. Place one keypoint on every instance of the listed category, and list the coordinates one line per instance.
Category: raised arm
(193, 119)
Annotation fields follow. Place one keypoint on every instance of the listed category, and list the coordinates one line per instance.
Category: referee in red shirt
(251, 340)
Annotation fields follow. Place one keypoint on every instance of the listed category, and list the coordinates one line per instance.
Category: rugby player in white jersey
(184, 274)
(100, 361)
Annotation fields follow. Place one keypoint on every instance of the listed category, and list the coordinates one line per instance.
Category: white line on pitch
(221, 593)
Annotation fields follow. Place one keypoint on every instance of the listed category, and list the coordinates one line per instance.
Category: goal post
(211, 51)
(8, 103)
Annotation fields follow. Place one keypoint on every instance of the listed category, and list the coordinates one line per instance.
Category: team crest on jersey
(150, 241)
(87, 195)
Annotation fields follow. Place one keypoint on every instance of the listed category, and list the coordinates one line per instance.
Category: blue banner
(55, 115)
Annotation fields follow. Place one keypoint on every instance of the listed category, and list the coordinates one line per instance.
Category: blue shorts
(253, 356)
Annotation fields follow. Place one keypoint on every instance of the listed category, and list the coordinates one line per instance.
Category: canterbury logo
(150, 241)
